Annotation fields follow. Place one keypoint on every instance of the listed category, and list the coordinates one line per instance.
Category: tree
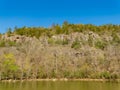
(9, 32)
(10, 67)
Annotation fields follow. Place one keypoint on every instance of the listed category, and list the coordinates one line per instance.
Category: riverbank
(64, 79)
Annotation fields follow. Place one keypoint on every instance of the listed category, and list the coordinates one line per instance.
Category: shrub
(61, 42)
(11, 43)
(65, 42)
(51, 41)
(76, 44)
(90, 41)
(100, 44)
(2, 43)
(116, 39)
(105, 75)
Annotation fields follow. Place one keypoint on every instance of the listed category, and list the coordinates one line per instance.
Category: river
(59, 85)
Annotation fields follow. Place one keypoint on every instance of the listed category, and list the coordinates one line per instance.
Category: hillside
(67, 51)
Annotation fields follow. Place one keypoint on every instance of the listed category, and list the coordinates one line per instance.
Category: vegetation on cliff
(67, 51)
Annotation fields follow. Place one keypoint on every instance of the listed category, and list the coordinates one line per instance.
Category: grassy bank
(64, 79)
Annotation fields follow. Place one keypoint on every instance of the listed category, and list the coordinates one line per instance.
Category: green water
(59, 85)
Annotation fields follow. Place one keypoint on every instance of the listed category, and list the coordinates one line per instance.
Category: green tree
(9, 32)
(10, 67)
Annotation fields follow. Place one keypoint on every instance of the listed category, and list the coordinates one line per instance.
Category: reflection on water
(59, 85)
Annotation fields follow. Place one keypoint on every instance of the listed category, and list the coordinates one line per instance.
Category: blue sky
(47, 12)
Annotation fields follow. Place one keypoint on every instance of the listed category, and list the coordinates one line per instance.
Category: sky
(45, 13)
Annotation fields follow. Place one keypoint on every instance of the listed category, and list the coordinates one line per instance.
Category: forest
(73, 51)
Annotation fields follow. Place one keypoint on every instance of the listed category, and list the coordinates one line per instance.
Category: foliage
(61, 51)
(76, 44)
(4, 43)
(9, 66)
(116, 38)
(100, 45)
(105, 75)
(9, 32)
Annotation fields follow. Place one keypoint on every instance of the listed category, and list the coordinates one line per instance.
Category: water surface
(59, 85)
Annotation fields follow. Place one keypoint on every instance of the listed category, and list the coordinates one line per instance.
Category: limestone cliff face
(16, 38)
(82, 38)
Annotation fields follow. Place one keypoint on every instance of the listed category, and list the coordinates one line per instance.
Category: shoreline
(63, 79)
